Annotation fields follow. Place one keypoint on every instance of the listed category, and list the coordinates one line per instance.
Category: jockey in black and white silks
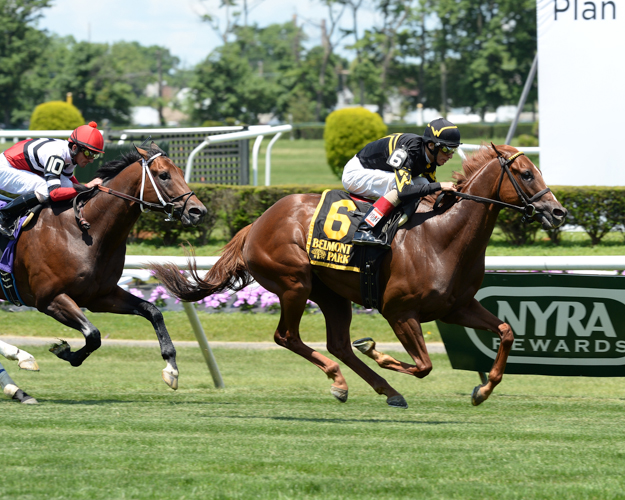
(397, 169)
(43, 169)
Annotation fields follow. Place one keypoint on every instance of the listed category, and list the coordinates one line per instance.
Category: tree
(20, 46)
(225, 86)
(141, 66)
(487, 48)
(328, 45)
(93, 76)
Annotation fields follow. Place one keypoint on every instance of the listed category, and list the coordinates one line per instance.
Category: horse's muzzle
(551, 217)
(193, 214)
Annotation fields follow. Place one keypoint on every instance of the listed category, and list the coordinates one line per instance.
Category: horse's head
(163, 184)
(522, 184)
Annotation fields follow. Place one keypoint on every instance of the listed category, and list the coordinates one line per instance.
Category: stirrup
(366, 238)
(7, 233)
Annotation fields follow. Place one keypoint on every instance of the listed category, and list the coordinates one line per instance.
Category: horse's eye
(527, 175)
(164, 176)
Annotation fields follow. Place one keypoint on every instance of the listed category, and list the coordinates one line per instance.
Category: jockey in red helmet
(397, 169)
(43, 169)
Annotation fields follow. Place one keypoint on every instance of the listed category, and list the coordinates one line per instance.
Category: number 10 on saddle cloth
(332, 229)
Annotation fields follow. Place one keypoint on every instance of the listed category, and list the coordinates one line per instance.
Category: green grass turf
(224, 327)
(111, 429)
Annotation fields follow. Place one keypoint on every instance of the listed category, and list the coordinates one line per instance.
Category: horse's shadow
(346, 420)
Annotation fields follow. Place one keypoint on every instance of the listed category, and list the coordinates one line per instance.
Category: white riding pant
(370, 183)
(13, 180)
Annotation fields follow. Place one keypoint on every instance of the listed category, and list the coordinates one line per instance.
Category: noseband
(528, 209)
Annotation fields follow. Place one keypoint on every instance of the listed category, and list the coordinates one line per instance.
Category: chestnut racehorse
(433, 270)
(62, 266)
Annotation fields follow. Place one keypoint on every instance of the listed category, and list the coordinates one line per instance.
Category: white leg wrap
(8, 351)
(7, 383)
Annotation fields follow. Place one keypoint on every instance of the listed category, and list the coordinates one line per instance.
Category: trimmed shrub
(528, 141)
(56, 115)
(347, 131)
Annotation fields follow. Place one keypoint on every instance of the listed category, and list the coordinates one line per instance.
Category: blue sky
(174, 24)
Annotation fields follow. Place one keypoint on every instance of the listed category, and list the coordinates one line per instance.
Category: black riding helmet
(442, 132)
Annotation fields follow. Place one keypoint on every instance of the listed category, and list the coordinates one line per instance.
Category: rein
(528, 209)
(165, 207)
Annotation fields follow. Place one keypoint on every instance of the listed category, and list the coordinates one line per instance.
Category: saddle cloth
(332, 229)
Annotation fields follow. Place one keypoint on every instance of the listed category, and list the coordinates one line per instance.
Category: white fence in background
(254, 131)
(134, 267)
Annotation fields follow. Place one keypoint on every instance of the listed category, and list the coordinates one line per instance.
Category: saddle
(330, 236)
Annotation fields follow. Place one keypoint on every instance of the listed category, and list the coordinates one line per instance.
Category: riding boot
(13, 209)
(364, 234)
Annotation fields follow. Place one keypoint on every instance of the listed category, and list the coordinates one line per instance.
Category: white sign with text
(581, 91)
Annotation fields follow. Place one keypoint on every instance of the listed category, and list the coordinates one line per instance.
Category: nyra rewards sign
(562, 324)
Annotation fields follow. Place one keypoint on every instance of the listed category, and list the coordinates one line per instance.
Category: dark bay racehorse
(61, 266)
(433, 270)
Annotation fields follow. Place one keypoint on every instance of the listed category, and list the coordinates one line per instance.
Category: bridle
(167, 207)
(528, 209)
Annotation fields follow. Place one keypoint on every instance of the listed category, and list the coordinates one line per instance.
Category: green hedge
(229, 207)
(597, 210)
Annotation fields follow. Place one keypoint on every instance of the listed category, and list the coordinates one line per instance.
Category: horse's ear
(155, 147)
(496, 150)
(142, 152)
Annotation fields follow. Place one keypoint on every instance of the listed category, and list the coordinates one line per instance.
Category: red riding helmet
(88, 136)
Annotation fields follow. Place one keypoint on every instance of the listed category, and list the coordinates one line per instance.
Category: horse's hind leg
(337, 311)
(293, 290)
(10, 388)
(25, 360)
(64, 310)
(122, 302)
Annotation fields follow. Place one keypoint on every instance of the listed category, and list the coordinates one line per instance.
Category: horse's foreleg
(10, 388)
(474, 315)
(123, 302)
(64, 310)
(337, 311)
(24, 360)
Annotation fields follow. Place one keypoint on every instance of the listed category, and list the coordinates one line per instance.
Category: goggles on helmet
(447, 150)
(90, 154)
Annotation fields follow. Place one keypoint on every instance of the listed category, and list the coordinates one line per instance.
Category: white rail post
(255, 150)
(268, 159)
(204, 346)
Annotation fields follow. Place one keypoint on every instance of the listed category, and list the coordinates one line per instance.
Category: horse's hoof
(24, 398)
(60, 348)
(397, 401)
(477, 397)
(340, 394)
(170, 378)
(364, 345)
(29, 364)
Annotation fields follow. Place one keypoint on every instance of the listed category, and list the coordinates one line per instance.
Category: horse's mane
(111, 168)
(471, 166)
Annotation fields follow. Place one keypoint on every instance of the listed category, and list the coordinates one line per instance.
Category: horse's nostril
(559, 213)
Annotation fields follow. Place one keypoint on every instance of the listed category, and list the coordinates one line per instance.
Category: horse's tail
(229, 273)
